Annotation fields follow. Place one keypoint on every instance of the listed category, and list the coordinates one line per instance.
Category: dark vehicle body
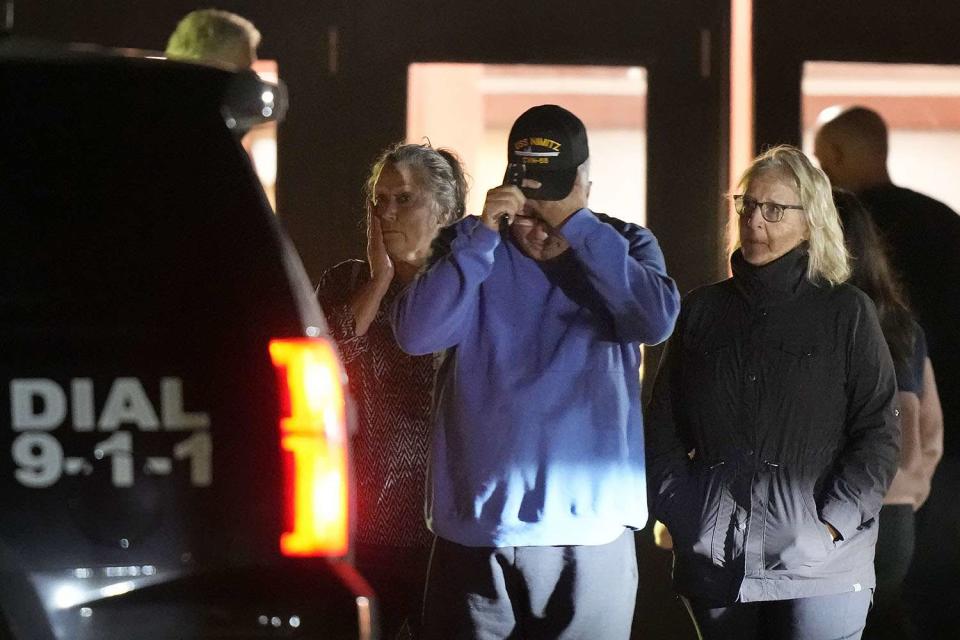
(144, 480)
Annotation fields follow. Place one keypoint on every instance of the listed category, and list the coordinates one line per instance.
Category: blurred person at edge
(215, 36)
(923, 238)
(921, 419)
(536, 477)
(780, 383)
(411, 192)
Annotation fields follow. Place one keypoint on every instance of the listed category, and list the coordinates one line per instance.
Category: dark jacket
(773, 413)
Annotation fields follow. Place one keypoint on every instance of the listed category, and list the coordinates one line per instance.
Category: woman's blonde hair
(828, 255)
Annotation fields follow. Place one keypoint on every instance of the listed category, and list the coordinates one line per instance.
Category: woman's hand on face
(381, 265)
(505, 200)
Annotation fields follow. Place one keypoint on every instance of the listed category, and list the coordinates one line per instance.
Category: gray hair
(828, 253)
(439, 172)
(212, 35)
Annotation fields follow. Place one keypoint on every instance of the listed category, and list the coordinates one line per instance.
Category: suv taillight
(313, 440)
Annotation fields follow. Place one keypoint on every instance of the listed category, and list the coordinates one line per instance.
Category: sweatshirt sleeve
(434, 312)
(868, 460)
(626, 267)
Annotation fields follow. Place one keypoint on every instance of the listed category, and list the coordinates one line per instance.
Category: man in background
(923, 238)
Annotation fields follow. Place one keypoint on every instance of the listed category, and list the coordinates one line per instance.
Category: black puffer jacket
(784, 391)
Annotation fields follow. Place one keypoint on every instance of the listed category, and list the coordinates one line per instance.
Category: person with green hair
(215, 36)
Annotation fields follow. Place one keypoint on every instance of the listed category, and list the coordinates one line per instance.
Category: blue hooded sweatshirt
(538, 435)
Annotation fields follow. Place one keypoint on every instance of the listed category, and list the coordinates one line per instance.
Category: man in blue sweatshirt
(536, 476)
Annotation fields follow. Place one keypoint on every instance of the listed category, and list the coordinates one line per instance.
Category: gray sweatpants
(567, 593)
(834, 617)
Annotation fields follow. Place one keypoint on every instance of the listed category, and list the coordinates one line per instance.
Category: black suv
(175, 446)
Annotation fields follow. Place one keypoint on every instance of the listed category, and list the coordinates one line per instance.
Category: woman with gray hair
(412, 191)
(773, 434)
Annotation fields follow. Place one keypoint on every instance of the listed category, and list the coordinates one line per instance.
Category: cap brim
(554, 185)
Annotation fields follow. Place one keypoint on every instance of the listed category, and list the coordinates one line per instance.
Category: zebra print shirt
(392, 392)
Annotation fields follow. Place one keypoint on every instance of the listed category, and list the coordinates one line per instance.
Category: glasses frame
(528, 221)
(770, 211)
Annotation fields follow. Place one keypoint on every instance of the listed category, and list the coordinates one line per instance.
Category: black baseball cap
(550, 142)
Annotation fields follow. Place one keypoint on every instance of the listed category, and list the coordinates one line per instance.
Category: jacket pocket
(794, 536)
(692, 511)
(825, 536)
(803, 368)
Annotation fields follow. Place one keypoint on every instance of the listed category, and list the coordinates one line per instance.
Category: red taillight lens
(313, 438)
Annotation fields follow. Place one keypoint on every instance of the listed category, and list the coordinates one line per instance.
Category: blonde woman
(780, 383)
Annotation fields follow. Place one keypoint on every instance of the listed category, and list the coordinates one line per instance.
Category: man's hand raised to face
(556, 212)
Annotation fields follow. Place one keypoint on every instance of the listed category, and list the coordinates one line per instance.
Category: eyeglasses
(526, 221)
(771, 211)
